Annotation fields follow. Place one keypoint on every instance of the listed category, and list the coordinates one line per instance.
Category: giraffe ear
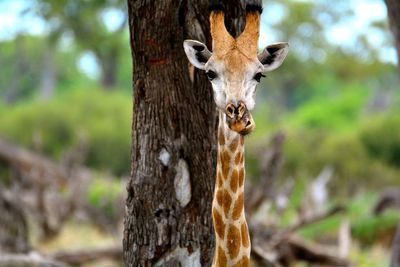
(273, 56)
(197, 53)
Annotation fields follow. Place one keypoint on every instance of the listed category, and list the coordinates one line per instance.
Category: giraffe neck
(231, 231)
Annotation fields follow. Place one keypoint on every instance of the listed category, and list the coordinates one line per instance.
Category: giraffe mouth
(239, 119)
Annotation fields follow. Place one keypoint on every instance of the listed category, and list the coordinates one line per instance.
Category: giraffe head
(234, 68)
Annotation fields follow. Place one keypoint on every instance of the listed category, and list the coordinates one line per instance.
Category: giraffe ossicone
(234, 69)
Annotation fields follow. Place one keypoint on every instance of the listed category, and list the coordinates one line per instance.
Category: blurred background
(328, 123)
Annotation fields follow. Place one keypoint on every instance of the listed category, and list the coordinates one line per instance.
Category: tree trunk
(49, 75)
(109, 67)
(393, 7)
(13, 93)
(168, 207)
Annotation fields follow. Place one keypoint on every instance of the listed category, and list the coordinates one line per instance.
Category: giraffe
(234, 69)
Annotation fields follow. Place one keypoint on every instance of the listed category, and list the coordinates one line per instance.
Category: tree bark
(393, 7)
(168, 207)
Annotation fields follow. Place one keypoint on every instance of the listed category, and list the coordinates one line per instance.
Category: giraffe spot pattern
(224, 200)
(234, 180)
(220, 180)
(244, 262)
(238, 158)
(225, 169)
(221, 138)
(233, 145)
(241, 140)
(233, 241)
(219, 224)
(238, 207)
(222, 261)
(241, 177)
(225, 157)
(245, 235)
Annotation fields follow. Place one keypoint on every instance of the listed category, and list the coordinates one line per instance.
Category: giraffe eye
(211, 75)
(258, 76)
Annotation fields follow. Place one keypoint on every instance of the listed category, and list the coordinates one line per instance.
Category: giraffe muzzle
(239, 118)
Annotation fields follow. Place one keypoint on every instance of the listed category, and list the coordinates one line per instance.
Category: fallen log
(35, 165)
(270, 165)
(39, 180)
(30, 260)
(272, 245)
(83, 256)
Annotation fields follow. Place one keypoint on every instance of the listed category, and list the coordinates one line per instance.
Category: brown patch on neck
(239, 158)
(244, 262)
(234, 144)
(219, 224)
(238, 207)
(220, 180)
(234, 181)
(241, 140)
(221, 137)
(224, 199)
(245, 235)
(233, 241)
(222, 261)
(241, 177)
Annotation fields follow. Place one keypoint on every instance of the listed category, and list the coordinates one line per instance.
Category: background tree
(393, 7)
(30, 69)
(85, 22)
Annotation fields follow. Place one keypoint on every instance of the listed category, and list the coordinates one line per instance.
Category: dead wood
(23, 260)
(13, 225)
(272, 245)
(39, 180)
(88, 255)
(32, 163)
(271, 163)
(389, 198)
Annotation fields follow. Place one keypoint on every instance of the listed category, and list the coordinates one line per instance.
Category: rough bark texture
(168, 221)
(393, 7)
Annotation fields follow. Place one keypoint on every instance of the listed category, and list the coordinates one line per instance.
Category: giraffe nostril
(230, 109)
(248, 123)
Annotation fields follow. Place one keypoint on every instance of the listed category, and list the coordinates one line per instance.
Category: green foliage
(24, 67)
(327, 228)
(86, 23)
(295, 202)
(100, 119)
(366, 227)
(104, 195)
(381, 137)
(307, 152)
(338, 113)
